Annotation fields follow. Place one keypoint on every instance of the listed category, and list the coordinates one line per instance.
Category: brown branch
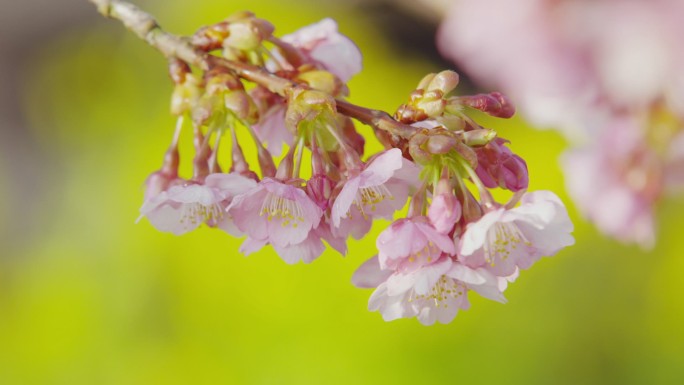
(172, 46)
(376, 118)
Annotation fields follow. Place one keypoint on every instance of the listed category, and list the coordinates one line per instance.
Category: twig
(172, 46)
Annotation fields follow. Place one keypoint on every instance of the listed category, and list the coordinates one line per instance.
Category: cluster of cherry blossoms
(609, 74)
(454, 237)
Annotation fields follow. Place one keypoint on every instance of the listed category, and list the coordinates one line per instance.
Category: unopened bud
(242, 105)
(211, 37)
(407, 114)
(452, 122)
(322, 81)
(494, 104)
(445, 81)
(441, 143)
(246, 34)
(219, 81)
(432, 104)
(498, 166)
(185, 95)
(417, 148)
(425, 81)
(307, 105)
(478, 137)
(444, 211)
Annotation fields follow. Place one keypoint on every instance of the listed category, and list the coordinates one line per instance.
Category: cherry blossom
(183, 208)
(505, 239)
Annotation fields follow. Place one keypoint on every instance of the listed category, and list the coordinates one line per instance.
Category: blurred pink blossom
(609, 74)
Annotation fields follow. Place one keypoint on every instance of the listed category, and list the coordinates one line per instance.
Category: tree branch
(172, 46)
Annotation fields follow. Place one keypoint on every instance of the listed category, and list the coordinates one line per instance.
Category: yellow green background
(89, 297)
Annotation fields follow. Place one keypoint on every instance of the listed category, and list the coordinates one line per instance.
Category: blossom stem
(213, 158)
(239, 163)
(485, 195)
(265, 158)
(350, 156)
(298, 157)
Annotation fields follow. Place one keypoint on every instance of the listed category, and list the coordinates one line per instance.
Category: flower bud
(444, 211)
(246, 32)
(185, 95)
(441, 143)
(322, 81)
(478, 137)
(498, 166)
(417, 148)
(445, 81)
(308, 105)
(432, 104)
(242, 105)
(493, 103)
(425, 81)
(211, 37)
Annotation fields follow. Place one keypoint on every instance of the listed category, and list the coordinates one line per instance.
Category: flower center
(444, 290)
(288, 211)
(426, 254)
(502, 240)
(368, 197)
(194, 213)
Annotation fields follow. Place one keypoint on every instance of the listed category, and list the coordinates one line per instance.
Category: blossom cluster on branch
(288, 93)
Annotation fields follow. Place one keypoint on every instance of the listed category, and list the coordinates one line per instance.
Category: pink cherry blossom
(369, 275)
(505, 239)
(272, 131)
(160, 181)
(356, 224)
(378, 190)
(410, 243)
(306, 251)
(275, 212)
(322, 43)
(183, 208)
(433, 293)
(312, 247)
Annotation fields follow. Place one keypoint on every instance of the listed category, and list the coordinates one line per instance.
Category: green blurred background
(89, 297)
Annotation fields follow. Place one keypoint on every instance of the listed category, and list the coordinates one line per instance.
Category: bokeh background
(89, 297)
